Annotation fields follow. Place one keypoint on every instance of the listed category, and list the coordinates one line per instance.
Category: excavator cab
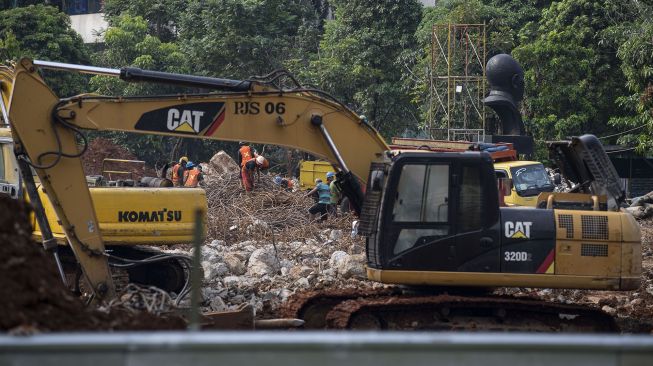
(434, 219)
(434, 206)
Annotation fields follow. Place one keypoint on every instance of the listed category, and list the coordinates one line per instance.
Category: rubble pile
(262, 247)
(642, 207)
(269, 213)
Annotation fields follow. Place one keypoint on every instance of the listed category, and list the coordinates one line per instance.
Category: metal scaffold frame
(457, 82)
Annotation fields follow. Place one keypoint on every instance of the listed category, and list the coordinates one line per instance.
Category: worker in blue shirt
(324, 199)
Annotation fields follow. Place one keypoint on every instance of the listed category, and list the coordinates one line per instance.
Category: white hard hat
(260, 159)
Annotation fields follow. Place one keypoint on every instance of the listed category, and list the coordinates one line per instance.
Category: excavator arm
(48, 135)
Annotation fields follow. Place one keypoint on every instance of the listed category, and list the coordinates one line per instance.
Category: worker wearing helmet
(193, 175)
(178, 172)
(324, 197)
(261, 164)
(335, 193)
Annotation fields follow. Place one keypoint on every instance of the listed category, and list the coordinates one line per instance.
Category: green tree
(573, 78)
(128, 43)
(361, 59)
(238, 39)
(42, 32)
(162, 16)
(635, 51)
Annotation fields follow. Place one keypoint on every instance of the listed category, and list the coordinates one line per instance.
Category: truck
(431, 219)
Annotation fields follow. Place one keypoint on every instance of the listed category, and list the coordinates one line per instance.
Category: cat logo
(184, 120)
(518, 229)
(202, 118)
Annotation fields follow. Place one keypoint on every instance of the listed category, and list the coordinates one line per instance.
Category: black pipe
(131, 74)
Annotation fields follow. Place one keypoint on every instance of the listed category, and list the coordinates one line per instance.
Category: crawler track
(137, 264)
(394, 311)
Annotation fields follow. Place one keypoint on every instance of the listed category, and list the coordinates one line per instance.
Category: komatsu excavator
(431, 219)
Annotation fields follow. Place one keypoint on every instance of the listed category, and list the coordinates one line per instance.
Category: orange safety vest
(245, 154)
(192, 178)
(175, 175)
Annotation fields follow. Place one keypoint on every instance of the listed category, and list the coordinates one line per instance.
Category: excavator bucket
(584, 162)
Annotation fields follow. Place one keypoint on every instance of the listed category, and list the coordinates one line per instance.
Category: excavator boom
(47, 135)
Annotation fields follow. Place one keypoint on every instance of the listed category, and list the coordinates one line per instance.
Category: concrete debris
(610, 310)
(222, 163)
(217, 304)
(262, 262)
(234, 264)
(641, 207)
(213, 270)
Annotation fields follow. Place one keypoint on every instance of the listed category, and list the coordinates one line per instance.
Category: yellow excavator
(133, 223)
(431, 219)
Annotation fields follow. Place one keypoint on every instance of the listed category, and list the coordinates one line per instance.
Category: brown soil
(100, 149)
(33, 297)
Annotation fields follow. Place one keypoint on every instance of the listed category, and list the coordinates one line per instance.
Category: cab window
(471, 200)
(422, 194)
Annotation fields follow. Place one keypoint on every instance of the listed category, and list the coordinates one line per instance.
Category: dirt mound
(100, 149)
(33, 297)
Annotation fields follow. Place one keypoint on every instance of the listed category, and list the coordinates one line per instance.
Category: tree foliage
(238, 39)
(573, 79)
(42, 32)
(587, 62)
(161, 16)
(635, 51)
(360, 59)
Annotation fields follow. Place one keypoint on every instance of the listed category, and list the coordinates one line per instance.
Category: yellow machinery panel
(593, 243)
(309, 171)
(132, 216)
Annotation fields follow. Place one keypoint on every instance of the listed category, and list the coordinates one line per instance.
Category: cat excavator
(432, 220)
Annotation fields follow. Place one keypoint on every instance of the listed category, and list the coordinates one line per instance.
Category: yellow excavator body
(138, 216)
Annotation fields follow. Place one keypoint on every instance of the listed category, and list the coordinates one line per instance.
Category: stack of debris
(642, 207)
(262, 246)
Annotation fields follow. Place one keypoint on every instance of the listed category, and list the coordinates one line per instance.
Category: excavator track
(135, 264)
(313, 306)
(362, 311)
(170, 273)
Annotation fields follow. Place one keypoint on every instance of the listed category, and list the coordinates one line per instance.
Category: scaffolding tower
(457, 82)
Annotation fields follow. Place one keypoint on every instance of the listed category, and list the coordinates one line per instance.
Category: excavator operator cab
(435, 209)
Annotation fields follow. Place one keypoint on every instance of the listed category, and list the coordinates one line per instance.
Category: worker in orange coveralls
(247, 174)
